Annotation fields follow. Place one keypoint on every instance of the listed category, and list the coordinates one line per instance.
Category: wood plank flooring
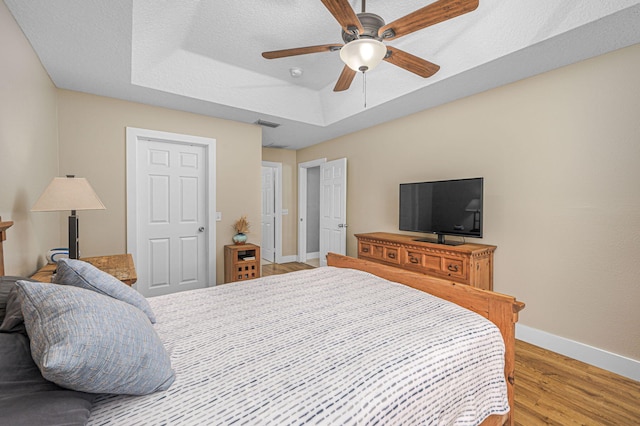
(283, 268)
(552, 389)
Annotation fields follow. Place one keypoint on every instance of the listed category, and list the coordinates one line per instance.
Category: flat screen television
(446, 207)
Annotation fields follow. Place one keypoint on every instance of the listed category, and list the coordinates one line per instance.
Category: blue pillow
(84, 275)
(88, 342)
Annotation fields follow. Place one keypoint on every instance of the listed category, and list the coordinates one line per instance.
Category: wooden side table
(241, 262)
(119, 265)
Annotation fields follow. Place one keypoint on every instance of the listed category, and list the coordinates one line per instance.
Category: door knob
(201, 229)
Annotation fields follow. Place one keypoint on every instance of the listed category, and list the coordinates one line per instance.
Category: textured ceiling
(205, 56)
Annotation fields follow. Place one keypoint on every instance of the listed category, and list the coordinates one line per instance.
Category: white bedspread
(324, 346)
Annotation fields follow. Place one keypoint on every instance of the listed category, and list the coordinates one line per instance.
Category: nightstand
(119, 265)
(241, 262)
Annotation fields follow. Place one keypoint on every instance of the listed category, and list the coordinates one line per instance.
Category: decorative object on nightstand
(241, 227)
(241, 262)
(69, 193)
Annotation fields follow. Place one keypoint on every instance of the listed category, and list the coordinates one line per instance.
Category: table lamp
(69, 193)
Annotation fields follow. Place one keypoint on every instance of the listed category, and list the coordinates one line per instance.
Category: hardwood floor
(552, 389)
(283, 268)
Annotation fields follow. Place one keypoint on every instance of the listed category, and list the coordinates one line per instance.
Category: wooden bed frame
(498, 308)
(3, 236)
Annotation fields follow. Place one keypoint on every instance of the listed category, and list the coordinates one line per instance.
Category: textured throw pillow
(84, 275)
(88, 342)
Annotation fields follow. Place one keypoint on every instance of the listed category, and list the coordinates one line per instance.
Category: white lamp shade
(68, 193)
(363, 54)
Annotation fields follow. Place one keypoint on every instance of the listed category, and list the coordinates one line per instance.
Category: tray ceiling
(205, 56)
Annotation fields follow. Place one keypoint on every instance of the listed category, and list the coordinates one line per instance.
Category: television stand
(440, 240)
(470, 264)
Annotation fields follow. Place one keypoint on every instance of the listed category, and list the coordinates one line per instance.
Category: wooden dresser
(470, 264)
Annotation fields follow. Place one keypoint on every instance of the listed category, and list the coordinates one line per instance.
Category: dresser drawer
(379, 252)
(454, 268)
(435, 264)
(392, 255)
(366, 249)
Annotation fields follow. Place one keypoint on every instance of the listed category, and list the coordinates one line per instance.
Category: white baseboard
(314, 255)
(609, 361)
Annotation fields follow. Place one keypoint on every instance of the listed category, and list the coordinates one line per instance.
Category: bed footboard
(498, 308)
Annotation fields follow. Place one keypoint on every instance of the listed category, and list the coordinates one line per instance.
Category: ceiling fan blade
(344, 14)
(432, 14)
(300, 51)
(411, 62)
(345, 79)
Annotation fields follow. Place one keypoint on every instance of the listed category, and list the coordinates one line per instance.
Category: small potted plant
(241, 226)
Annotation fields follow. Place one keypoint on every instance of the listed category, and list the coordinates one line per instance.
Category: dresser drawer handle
(453, 268)
(414, 260)
(391, 255)
(365, 249)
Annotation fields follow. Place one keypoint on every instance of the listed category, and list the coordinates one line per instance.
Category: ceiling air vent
(265, 123)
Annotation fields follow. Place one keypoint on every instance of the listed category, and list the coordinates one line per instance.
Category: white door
(268, 214)
(169, 211)
(333, 208)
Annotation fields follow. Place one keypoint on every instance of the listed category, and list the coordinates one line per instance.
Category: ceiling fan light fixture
(363, 54)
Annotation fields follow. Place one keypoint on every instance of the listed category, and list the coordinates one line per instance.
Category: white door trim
(302, 206)
(133, 137)
(278, 193)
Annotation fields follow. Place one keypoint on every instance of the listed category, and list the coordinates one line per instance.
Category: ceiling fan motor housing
(371, 23)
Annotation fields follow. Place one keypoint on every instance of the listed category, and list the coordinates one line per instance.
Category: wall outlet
(285, 211)
(218, 216)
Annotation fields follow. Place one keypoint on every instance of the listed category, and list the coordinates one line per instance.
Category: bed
(344, 344)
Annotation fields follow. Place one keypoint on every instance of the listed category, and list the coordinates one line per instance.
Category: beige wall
(560, 154)
(289, 196)
(28, 149)
(92, 145)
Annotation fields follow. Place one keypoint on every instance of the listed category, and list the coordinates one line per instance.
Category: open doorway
(307, 203)
(271, 221)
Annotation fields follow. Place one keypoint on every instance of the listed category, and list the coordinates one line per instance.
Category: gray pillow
(84, 275)
(13, 321)
(88, 342)
(26, 398)
(6, 284)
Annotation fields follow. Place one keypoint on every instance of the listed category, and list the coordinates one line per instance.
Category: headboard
(3, 236)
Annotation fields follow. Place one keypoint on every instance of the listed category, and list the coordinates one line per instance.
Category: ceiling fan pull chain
(364, 87)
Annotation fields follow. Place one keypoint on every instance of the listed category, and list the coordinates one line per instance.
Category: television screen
(449, 207)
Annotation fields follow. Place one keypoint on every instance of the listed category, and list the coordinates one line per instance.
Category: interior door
(172, 217)
(268, 248)
(333, 208)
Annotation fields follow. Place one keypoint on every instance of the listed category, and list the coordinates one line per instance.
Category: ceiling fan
(364, 33)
